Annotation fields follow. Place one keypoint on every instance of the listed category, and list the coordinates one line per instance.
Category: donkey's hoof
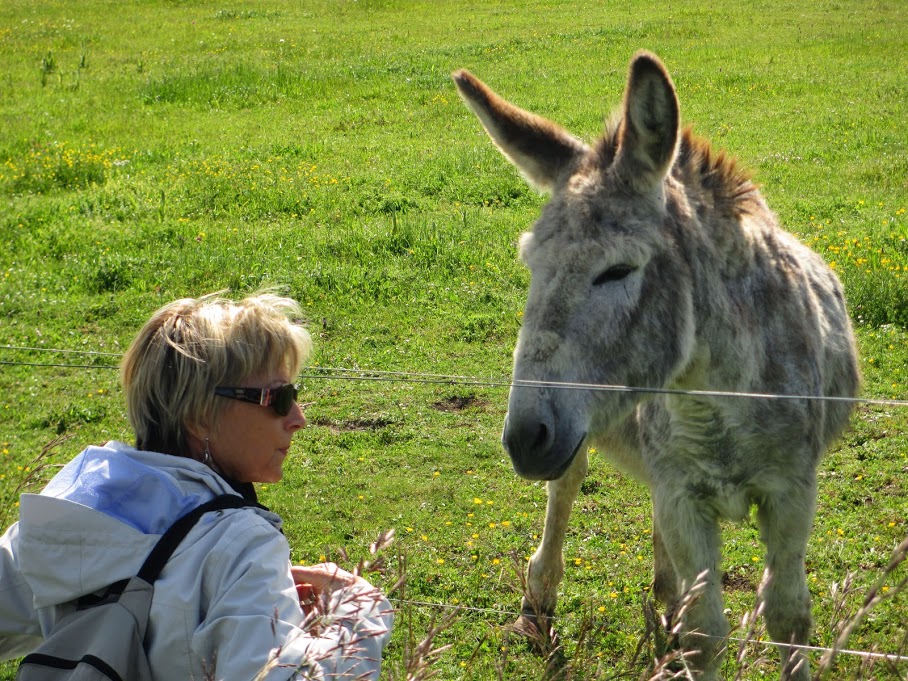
(538, 631)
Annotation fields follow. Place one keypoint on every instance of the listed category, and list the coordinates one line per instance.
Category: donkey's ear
(649, 132)
(540, 149)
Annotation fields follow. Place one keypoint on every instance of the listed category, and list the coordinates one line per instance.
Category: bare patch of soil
(737, 582)
(353, 425)
(456, 403)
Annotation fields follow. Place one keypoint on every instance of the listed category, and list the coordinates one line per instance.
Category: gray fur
(656, 263)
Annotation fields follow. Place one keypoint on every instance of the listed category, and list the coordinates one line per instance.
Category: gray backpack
(103, 640)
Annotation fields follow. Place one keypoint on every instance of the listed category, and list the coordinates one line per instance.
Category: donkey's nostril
(526, 437)
(542, 435)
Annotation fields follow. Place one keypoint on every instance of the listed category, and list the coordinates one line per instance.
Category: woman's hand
(316, 583)
(324, 577)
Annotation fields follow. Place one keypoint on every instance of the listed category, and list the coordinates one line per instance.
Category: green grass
(160, 149)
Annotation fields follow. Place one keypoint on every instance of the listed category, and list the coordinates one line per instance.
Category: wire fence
(350, 374)
(864, 654)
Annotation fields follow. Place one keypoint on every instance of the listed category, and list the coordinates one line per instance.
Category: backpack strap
(169, 541)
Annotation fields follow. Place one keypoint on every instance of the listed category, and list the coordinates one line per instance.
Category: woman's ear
(196, 434)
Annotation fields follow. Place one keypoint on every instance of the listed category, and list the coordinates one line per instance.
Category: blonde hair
(191, 346)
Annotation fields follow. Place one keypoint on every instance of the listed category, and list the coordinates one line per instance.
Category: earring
(207, 460)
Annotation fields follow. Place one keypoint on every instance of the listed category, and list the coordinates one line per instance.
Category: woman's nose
(296, 417)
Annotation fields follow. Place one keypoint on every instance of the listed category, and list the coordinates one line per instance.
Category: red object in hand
(306, 594)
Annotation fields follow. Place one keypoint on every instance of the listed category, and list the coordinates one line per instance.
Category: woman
(210, 399)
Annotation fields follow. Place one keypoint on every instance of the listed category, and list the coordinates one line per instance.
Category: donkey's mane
(697, 164)
(717, 172)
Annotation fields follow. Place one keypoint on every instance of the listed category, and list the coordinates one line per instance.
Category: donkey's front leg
(689, 534)
(785, 522)
(546, 566)
(665, 579)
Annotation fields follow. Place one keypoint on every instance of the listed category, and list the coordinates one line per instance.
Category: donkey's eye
(615, 273)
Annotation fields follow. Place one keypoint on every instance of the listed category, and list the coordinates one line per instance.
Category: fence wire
(348, 374)
(870, 655)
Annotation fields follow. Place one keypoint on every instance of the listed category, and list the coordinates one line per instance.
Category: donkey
(656, 263)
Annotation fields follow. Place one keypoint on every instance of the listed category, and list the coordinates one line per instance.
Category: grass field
(159, 149)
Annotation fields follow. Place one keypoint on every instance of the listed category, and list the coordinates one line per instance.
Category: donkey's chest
(702, 454)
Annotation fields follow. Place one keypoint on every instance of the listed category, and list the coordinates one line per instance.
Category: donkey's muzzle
(534, 450)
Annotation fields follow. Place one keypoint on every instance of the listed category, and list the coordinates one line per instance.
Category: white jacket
(225, 604)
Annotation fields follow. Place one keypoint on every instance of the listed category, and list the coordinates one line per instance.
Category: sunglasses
(280, 399)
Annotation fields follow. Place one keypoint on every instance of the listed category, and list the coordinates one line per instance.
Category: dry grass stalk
(417, 666)
(35, 476)
(877, 593)
(753, 626)
(418, 657)
(669, 661)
